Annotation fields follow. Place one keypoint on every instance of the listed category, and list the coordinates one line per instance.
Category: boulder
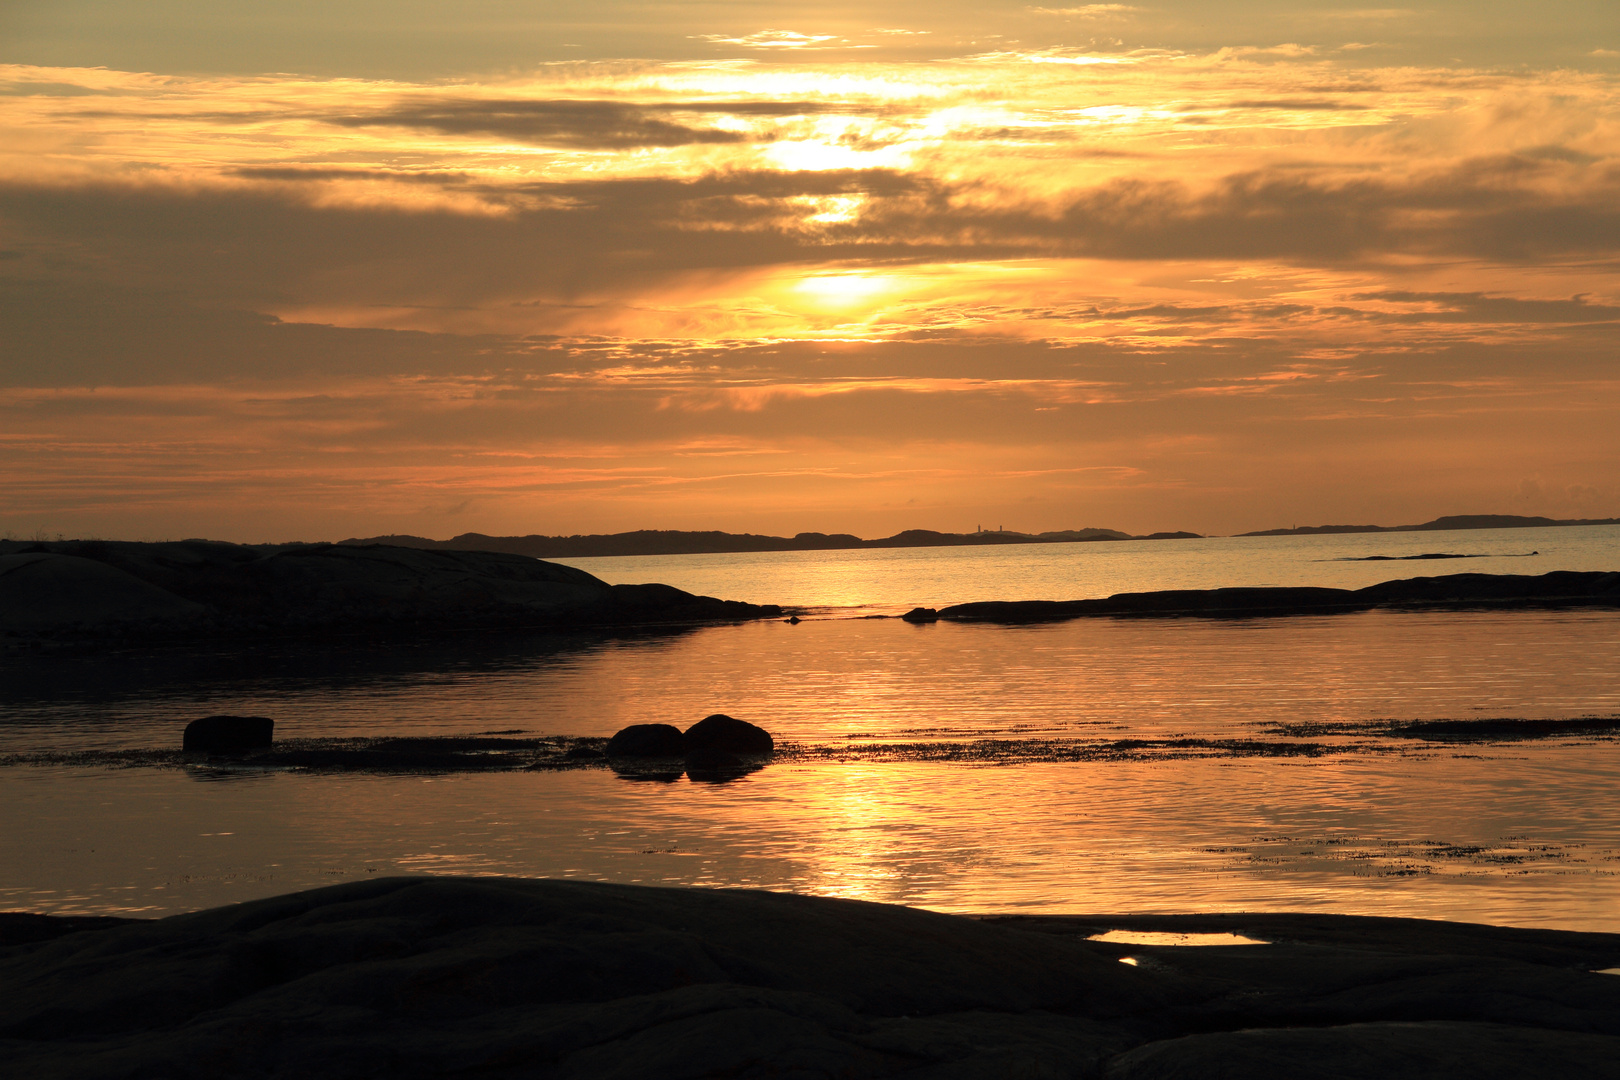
(647, 740)
(722, 734)
(921, 615)
(228, 734)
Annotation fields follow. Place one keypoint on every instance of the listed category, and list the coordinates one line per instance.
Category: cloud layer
(1057, 287)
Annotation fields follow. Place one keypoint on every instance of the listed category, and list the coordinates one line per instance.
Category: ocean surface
(1162, 765)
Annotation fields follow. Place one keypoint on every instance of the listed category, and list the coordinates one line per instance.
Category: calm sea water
(892, 580)
(1525, 833)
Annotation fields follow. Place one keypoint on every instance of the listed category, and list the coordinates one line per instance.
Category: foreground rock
(87, 589)
(722, 734)
(716, 749)
(417, 977)
(228, 734)
(647, 740)
(1560, 589)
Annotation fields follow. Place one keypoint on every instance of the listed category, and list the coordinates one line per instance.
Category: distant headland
(1456, 521)
(677, 542)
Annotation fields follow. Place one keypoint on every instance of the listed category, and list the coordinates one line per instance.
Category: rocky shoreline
(508, 977)
(95, 591)
(516, 752)
(1558, 589)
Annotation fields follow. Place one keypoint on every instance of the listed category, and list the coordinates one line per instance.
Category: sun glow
(842, 292)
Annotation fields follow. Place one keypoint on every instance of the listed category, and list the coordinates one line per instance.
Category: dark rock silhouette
(921, 615)
(1454, 522)
(424, 977)
(647, 740)
(1560, 589)
(228, 734)
(42, 590)
(723, 734)
(675, 542)
(201, 588)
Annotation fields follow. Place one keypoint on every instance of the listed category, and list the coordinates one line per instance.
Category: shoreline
(425, 976)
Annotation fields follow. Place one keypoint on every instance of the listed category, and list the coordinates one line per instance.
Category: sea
(1101, 765)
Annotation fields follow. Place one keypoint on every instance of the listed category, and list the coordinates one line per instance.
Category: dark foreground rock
(1560, 589)
(90, 589)
(417, 977)
(647, 740)
(228, 734)
(722, 734)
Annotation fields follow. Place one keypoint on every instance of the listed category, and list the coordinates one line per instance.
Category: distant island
(1456, 521)
(675, 542)
(713, 542)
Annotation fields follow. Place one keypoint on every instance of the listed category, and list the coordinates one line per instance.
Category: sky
(298, 270)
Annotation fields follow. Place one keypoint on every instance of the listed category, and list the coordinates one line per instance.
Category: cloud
(776, 39)
(304, 174)
(1481, 308)
(1368, 14)
(855, 278)
(586, 124)
(1299, 105)
(1087, 11)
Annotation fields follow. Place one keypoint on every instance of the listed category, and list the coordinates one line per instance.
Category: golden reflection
(871, 822)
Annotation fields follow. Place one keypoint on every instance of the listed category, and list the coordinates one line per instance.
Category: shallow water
(1523, 832)
(1521, 839)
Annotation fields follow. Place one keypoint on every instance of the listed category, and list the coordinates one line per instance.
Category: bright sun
(839, 292)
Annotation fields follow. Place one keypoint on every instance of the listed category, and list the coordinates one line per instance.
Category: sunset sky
(299, 270)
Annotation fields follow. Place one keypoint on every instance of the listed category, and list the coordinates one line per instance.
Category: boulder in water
(228, 734)
(647, 740)
(722, 734)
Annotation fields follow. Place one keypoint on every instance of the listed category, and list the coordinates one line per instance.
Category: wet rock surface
(511, 977)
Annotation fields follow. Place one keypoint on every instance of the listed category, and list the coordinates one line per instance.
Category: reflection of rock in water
(662, 771)
(718, 767)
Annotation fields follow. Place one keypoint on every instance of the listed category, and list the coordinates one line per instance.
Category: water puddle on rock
(1156, 937)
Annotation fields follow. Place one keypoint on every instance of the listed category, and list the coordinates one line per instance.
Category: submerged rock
(722, 734)
(647, 740)
(228, 734)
